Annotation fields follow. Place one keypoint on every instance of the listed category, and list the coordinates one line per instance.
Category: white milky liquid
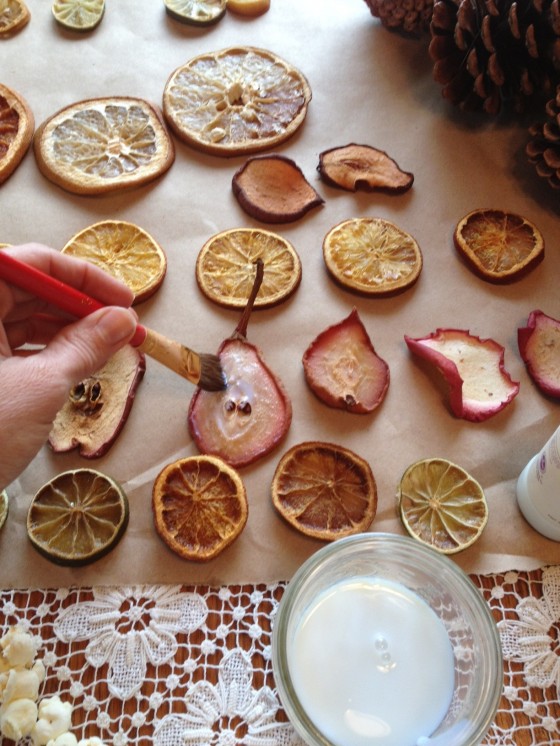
(372, 664)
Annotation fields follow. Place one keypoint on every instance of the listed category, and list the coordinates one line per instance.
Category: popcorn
(18, 718)
(55, 718)
(18, 647)
(23, 683)
(65, 739)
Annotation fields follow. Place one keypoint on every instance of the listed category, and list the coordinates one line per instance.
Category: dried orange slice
(200, 506)
(248, 7)
(372, 256)
(4, 506)
(441, 505)
(324, 490)
(235, 101)
(77, 517)
(14, 15)
(125, 251)
(16, 130)
(104, 145)
(77, 14)
(196, 12)
(498, 246)
(225, 267)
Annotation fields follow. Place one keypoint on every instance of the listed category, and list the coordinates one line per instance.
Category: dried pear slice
(77, 517)
(479, 385)
(539, 346)
(273, 189)
(196, 12)
(14, 15)
(16, 130)
(97, 408)
(343, 370)
(78, 15)
(104, 145)
(353, 167)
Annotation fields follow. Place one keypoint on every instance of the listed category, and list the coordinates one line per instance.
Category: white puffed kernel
(55, 718)
(23, 683)
(65, 739)
(93, 741)
(18, 718)
(19, 647)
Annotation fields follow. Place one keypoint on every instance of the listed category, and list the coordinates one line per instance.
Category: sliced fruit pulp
(16, 130)
(539, 345)
(77, 14)
(196, 12)
(14, 15)
(356, 167)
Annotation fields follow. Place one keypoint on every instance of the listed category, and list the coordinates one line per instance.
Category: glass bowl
(380, 639)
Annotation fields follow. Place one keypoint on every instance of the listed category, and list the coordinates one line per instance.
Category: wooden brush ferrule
(173, 355)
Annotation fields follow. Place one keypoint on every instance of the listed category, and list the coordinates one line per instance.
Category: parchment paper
(369, 86)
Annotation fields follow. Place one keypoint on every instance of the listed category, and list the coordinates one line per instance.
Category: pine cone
(544, 148)
(412, 16)
(493, 52)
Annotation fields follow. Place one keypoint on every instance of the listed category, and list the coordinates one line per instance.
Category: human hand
(34, 382)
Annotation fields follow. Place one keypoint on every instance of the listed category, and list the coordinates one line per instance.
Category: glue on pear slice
(479, 385)
(539, 346)
(343, 369)
(253, 413)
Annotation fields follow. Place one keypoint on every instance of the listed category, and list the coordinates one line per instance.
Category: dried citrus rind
(14, 15)
(77, 517)
(372, 256)
(248, 7)
(125, 251)
(324, 490)
(539, 346)
(104, 145)
(442, 505)
(199, 506)
(4, 507)
(225, 267)
(78, 15)
(16, 130)
(272, 188)
(498, 246)
(196, 12)
(235, 101)
(363, 167)
(479, 385)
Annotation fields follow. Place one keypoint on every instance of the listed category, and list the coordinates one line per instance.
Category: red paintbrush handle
(59, 294)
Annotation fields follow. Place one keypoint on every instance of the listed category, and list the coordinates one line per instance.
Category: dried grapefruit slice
(324, 490)
(225, 267)
(372, 256)
(441, 505)
(125, 251)
(499, 246)
(199, 506)
(77, 14)
(77, 517)
(14, 15)
(16, 130)
(104, 145)
(196, 12)
(235, 101)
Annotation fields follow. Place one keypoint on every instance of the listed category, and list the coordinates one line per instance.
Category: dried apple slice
(98, 407)
(343, 369)
(353, 167)
(273, 189)
(253, 413)
(539, 346)
(479, 385)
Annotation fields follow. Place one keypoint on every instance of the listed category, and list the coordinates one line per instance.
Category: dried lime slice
(78, 15)
(4, 503)
(77, 517)
(196, 12)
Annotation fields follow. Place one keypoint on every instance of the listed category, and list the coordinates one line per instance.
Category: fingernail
(117, 325)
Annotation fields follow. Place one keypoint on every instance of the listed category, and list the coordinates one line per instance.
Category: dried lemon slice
(200, 506)
(225, 267)
(236, 101)
(125, 251)
(324, 490)
(4, 506)
(104, 145)
(499, 246)
(372, 256)
(441, 505)
(196, 12)
(78, 15)
(16, 130)
(77, 517)
(14, 15)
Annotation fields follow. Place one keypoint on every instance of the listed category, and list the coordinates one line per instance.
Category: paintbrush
(204, 370)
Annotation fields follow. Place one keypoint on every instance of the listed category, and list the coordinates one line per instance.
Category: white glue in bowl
(380, 640)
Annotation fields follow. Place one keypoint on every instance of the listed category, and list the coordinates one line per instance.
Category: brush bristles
(212, 376)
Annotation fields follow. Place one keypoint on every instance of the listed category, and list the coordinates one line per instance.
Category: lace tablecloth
(191, 665)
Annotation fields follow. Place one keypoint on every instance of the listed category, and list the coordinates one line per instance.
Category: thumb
(83, 347)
